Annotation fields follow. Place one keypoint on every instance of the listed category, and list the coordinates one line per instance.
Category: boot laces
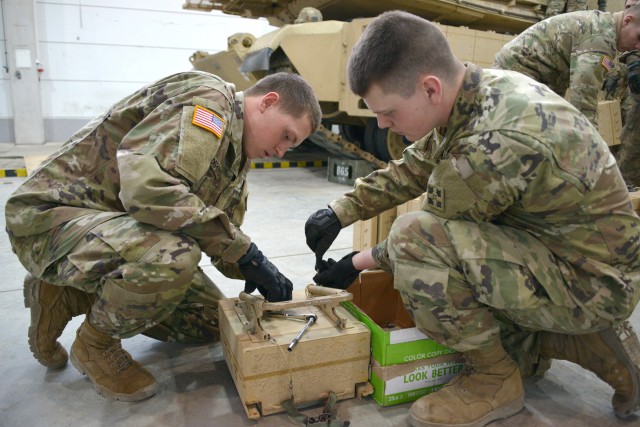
(464, 376)
(120, 359)
(629, 341)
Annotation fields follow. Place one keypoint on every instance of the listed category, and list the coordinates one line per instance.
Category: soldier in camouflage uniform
(114, 224)
(556, 7)
(615, 82)
(573, 52)
(630, 137)
(526, 222)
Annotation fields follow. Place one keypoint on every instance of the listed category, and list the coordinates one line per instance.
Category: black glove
(610, 85)
(260, 273)
(321, 229)
(633, 77)
(337, 274)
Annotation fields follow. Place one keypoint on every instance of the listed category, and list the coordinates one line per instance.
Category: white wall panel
(70, 99)
(94, 52)
(6, 108)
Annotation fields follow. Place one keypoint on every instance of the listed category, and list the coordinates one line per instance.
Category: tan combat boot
(489, 389)
(613, 355)
(114, 374)
(51, 309)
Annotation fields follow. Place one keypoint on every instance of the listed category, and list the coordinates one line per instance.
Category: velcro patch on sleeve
(607, 63)
(209, 120)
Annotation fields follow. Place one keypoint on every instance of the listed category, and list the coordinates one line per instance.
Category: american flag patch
(607, 63)
(208, 120)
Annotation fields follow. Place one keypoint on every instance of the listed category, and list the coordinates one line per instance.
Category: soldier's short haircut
(296, 95)
(633, 10)
(394, 50)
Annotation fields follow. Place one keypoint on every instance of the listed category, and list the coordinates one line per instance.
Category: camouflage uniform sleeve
(400, 181)
(472, 184)
(587, 72)
(156, 188)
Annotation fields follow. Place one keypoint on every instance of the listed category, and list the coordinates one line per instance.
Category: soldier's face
(629, 38)
(412, 117)
(270, 132)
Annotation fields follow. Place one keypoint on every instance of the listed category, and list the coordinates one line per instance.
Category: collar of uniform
(236, 129)
(464, 107)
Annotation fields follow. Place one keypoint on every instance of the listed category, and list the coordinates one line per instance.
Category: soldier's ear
(268, 100)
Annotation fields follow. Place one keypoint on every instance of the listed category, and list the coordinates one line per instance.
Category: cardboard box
(385, 221)
(408, 382)
(610, 121)
(405, 361)
(326, 358)
(365, 234)
(368, 233)
(394, 337)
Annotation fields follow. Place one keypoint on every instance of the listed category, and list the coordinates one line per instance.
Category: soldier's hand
(337, 274)
(321, 229)
(633, 77)
(610, 85)
(260, 273)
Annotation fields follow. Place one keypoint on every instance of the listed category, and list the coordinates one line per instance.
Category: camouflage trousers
(556, 7)
(629, 156)
(464, 283)
(147, 281)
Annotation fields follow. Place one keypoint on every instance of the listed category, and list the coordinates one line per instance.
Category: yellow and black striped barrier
(13, 173)
(22, 172)
(287, 164)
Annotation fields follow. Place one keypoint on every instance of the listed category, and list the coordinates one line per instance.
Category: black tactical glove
(321, 229)
(633, 77)
(610, 85)
(337, 274)
(260, 273)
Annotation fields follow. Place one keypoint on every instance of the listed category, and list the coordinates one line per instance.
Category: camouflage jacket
(169, 155)
(516, 154)
(571, 51)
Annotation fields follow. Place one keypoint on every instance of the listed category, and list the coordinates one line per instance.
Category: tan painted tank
(316, 44)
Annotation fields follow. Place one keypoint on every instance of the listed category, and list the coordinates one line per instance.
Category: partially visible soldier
(556, 7)
(629, 162)
(526, 223)
(573, 51)
(615, 83)
(308, 14)
(114, 224)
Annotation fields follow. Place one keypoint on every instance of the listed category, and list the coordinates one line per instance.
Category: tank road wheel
(352, 133)
(383, 143)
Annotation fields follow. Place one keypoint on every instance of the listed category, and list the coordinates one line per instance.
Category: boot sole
(504, 411)
(142, 394)
(610, 337)
(30, 293)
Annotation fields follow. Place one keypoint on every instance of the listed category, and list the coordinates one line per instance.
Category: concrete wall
(94, 52)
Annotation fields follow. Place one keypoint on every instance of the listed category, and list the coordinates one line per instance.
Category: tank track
(337, 145)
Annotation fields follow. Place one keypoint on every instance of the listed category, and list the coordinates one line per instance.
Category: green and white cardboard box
(406, 364)
(407, 382)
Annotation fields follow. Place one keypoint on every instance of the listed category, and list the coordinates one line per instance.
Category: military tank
(315, 37)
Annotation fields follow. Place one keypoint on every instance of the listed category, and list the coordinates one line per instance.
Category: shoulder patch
(209, 120)
(607, 63)
(435, 197)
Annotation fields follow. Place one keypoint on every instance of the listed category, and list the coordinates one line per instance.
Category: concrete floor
(196, 388)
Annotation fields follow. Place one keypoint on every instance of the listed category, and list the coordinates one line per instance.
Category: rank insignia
(435, 197)
(209, 120)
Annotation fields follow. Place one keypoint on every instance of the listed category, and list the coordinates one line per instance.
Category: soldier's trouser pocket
(140, 273)
(455, 275)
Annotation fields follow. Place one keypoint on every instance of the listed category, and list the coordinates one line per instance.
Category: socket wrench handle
(311, 319)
